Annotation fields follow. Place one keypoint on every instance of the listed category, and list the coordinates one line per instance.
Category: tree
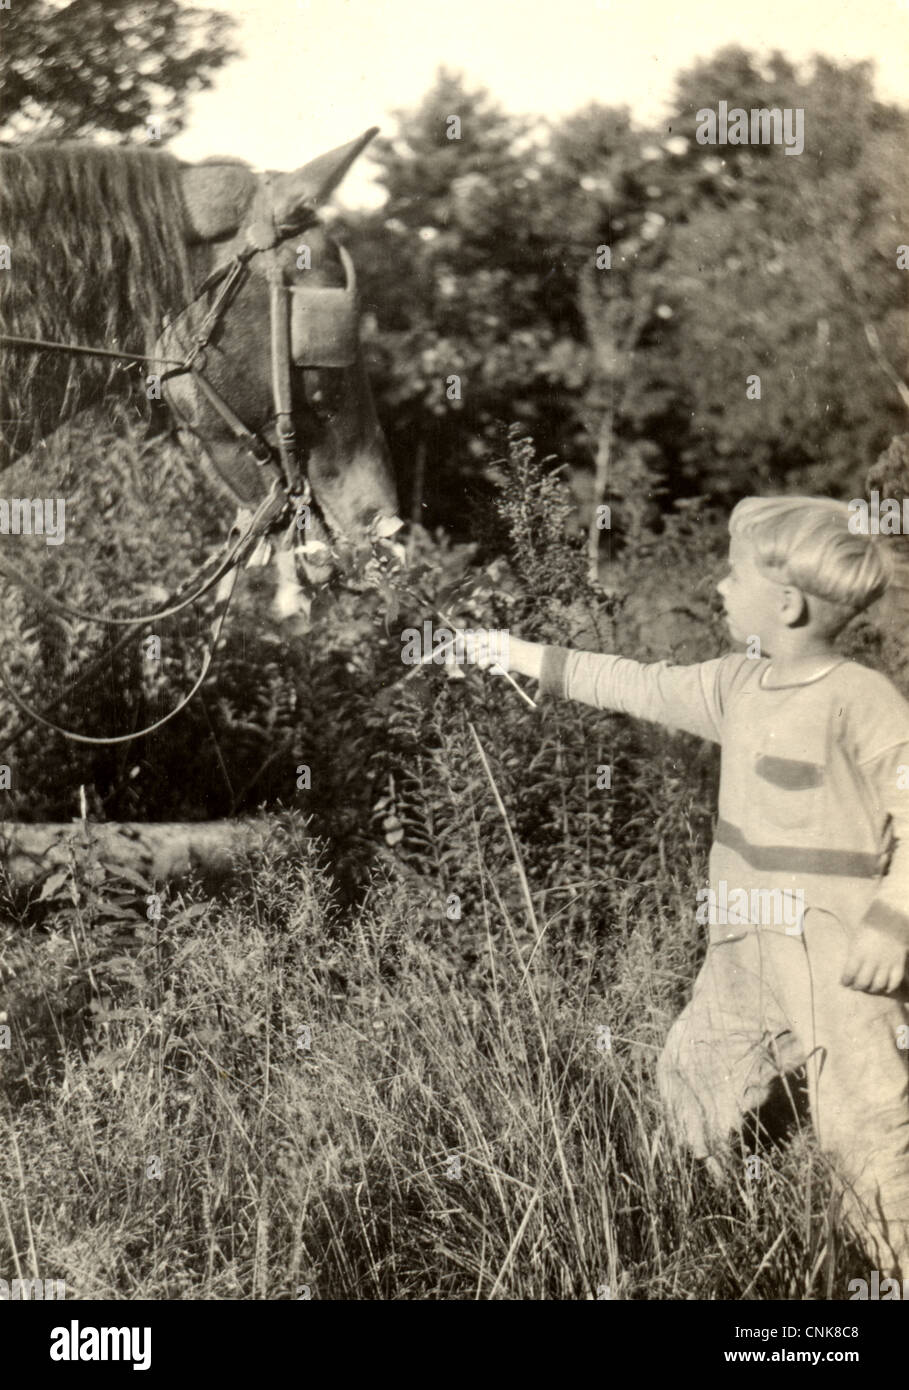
(615, 194)
(110, 66)
(496, 237)
(462, 280)
(725, 264)
(785, 279)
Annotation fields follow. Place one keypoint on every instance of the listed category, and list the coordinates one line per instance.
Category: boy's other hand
(876, 962)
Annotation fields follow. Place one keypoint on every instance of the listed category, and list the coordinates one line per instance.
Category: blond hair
(808, 542)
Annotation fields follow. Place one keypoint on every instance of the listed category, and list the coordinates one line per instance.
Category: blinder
(324, 322)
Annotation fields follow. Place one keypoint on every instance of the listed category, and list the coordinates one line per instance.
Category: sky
(315, 73)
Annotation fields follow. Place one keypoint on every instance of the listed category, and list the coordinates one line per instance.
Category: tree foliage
(105, 66)
(726, 262)
(784, 279)
(484, 290)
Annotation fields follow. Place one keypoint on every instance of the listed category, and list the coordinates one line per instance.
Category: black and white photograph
(454, 664)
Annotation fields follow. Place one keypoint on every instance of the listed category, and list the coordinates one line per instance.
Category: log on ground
(158, 852)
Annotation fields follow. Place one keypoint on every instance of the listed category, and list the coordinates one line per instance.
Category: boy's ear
(793, 606)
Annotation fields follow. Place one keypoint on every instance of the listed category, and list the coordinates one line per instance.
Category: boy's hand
(483, 647)
(876, 962)
(495, 647)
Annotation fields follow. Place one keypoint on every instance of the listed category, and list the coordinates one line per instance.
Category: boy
(813, 811)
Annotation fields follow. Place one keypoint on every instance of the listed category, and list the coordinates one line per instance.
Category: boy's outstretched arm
(681, 697)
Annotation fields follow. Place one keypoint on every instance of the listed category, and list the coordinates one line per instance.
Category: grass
(276, 1097)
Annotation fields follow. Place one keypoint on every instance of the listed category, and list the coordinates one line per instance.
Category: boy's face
(753, 603)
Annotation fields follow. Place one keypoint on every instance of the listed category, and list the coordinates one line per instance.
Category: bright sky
(317, 72)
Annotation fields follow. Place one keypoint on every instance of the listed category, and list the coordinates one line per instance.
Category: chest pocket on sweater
(791, 791)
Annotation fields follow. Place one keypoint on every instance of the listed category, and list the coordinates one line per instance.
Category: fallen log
(159, 852)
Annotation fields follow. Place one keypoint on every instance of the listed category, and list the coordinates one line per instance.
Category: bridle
(330, 339)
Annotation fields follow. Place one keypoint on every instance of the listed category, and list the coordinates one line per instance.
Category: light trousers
(766, 1003)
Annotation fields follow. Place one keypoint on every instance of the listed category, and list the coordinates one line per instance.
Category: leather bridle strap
(222, 602)
(223, 562)
(289, 462)
(281, 366)
(264, 238)
(229, 278)
(80, 350)
(261, 520)
(260, 448)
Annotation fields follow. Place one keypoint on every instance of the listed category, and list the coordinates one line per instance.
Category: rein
(225, 577)
(290, 491)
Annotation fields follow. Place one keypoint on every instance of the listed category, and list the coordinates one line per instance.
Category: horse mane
(98, 252)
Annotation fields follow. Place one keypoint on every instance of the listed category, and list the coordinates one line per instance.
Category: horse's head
(230, 210)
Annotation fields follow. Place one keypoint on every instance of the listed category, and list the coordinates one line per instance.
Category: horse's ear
(305, 188)
(216, 196)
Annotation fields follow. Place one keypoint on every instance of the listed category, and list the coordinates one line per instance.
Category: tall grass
(170, 1129)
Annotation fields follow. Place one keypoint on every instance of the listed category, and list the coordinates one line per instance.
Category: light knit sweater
(814, 781)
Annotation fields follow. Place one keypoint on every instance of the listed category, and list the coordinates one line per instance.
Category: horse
(105, 244)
